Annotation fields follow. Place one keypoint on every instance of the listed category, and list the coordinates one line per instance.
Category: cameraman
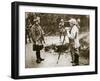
(73, 36)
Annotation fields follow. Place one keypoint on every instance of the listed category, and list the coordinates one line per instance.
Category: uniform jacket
(73, 34)
(36, 33)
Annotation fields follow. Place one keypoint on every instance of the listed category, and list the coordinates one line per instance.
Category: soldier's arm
(32, 32)
(72, 34)
(41, 34)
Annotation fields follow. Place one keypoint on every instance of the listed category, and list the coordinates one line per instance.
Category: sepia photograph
(56, 40)
(51, 40)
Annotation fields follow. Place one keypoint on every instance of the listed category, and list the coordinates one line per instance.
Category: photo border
(15, 39)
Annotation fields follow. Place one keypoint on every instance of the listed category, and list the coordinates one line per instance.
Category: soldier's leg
(72, 53)
(25, 39)
(38, 56)
(41, 47)
(76, 57)
(39, 59)
(29, 36)
(72, 57)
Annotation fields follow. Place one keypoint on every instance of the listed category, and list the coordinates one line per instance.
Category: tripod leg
(58, 57)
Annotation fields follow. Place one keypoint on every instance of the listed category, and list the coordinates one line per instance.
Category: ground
(50, 56)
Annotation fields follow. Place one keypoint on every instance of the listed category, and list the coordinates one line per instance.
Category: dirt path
(50, 58)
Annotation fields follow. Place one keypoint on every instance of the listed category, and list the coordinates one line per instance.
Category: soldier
(37, 38)
(28, 31)
(74, 41)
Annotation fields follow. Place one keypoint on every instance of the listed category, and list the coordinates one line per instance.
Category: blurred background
(50, 22)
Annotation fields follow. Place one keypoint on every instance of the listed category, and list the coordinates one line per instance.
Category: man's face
(36, 22)
(71, 24)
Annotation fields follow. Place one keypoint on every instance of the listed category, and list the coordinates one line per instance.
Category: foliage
(49, 21)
